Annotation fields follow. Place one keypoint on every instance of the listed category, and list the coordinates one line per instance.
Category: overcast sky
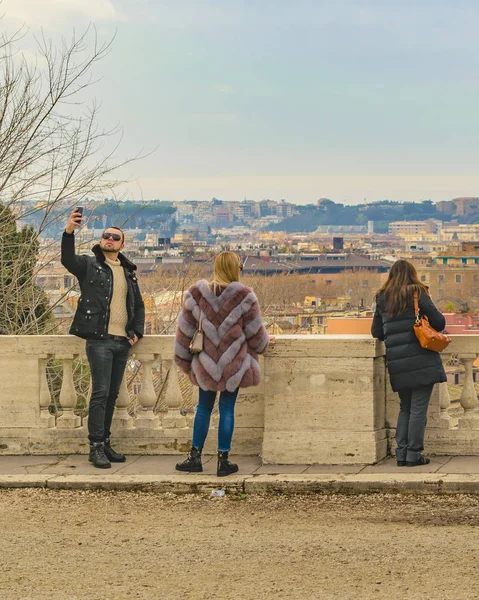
(295, 99)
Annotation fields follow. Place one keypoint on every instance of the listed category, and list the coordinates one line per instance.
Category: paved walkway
(445, 474)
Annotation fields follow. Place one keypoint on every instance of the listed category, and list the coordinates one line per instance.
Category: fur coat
(233, 336)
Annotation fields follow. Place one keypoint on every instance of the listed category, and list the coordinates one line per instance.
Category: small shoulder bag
(428, 337)
(196, 344)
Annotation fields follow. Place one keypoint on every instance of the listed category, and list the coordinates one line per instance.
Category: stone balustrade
(323, 399)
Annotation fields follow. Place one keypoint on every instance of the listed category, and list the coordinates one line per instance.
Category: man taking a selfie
(111, 317)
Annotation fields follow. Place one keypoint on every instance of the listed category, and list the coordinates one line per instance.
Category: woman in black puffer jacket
(413, 370)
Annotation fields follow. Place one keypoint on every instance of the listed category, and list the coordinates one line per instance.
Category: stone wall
(323, 399)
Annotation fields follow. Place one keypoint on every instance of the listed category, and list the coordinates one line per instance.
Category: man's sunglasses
(114, 236)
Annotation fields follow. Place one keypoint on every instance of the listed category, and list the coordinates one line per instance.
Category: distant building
(466, 254)
(338, 243)
(459, 206)
(463, 232)
(285, 209)
(465, 206)
(370, 227)
(403, 228)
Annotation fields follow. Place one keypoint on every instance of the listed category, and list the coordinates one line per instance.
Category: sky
(303, 99)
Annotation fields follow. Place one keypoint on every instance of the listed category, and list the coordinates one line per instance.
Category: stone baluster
(46, 418)
(444, 404)
(68, 395)
(173, 419)
(146, 418)
(469, 402)
(445, 420)
(121, 418)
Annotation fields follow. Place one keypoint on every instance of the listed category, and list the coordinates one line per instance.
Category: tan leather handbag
(196, 344)
(428, 337)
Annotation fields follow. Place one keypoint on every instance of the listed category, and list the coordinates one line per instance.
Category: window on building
(441, 278)
(329, 281)
(365, 283)
(458, 278)
(423, 278)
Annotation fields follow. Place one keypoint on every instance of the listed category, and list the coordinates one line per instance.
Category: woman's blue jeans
(227, 418)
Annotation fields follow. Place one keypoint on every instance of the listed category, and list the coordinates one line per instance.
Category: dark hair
(400, 286)
(118, 229)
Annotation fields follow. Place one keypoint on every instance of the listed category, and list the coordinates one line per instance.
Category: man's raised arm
(73, 263)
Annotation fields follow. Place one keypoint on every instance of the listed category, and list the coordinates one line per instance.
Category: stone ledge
(414, 483)
(24, 481)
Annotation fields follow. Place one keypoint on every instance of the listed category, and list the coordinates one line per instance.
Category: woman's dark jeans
(107, 360)
(227, 418)
(411, 423)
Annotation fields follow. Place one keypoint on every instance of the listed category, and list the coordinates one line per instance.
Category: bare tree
(52, 153)
(163, 294)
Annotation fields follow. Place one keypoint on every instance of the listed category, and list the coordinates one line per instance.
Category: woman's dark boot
(192, 464)
(417, 463)
(225, 467)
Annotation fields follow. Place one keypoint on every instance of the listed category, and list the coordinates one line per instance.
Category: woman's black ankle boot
(192, 464)
(225, 467)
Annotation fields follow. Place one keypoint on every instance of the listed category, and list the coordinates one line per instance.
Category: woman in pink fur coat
(234, 335)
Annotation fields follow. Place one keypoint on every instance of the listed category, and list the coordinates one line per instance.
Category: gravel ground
(60, 545)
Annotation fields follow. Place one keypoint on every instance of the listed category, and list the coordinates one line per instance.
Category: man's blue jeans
(107, 360)
(227, 418)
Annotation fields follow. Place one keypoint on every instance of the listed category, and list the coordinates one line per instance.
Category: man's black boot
(111, 454)
(192, 464)
(98, 457)
(225, 467)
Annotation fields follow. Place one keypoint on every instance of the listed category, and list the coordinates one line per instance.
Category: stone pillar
(173, 419)
(469, 402)
(146, 419)
(445, 419)
(121, 418)
(68, 395)
(438, 412)
(46, 418)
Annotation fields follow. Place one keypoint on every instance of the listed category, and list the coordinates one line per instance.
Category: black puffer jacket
(96, 285)
(409, 364)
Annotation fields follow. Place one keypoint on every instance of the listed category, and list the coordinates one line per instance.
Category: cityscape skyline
(347, 100)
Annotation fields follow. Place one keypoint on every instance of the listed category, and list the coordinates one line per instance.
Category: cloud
(43, 12)
(215, 117)
(223, 88)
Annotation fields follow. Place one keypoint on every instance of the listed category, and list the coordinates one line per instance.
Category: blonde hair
(226, 269)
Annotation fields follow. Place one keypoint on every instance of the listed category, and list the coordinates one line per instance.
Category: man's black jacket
(96, 285)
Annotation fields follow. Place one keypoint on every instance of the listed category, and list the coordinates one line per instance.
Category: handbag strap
(200, 323)
(416, 307)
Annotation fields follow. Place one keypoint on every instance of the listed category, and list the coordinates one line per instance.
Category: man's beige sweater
(118, 312)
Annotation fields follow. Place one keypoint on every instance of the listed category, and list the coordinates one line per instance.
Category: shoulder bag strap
(416, 307)
(200, 322)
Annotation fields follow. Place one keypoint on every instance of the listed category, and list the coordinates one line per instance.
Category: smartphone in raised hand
(79, 209)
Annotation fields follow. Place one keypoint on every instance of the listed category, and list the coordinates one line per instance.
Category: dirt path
(117, 546)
